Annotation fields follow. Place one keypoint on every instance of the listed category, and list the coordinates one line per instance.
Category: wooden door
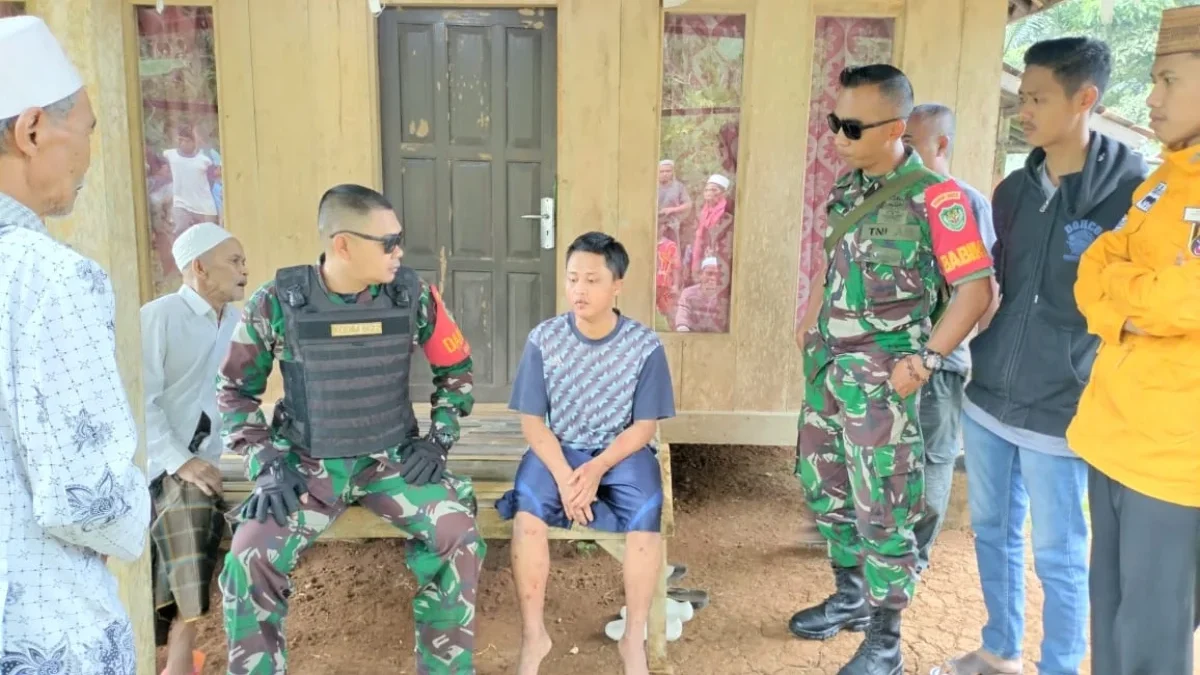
(468, 120)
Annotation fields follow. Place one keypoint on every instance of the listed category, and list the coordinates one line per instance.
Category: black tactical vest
(346, 387)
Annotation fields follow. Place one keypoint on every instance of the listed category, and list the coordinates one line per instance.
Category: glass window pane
(703, 59)
(840, 42)
(178, 79)
(8, 9)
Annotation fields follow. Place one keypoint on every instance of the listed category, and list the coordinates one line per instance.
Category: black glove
(277, 492)
(425, 462)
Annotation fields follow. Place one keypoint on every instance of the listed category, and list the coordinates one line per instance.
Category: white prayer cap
(196, 241)
(710, 261)
(36, 70)
(667, 162)
(718, 179)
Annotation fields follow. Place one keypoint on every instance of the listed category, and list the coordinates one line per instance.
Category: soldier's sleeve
(954, 233)
(449, 357)
(242, 379)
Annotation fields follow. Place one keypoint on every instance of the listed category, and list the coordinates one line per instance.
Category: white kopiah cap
(196, 241)
(718, 179)
(36, 71)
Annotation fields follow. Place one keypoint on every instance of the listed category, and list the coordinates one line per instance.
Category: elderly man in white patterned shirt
(185, 336)
(70, 494)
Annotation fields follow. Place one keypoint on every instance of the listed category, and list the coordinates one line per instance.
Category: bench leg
(656, 647)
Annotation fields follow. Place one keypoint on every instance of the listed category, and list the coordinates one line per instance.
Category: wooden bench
(488, 452)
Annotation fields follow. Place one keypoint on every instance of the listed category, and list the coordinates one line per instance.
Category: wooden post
(102, 228)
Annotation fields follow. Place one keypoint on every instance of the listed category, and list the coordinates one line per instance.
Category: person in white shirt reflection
(185, 336)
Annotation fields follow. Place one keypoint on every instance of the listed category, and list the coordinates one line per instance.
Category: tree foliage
(1131, 35)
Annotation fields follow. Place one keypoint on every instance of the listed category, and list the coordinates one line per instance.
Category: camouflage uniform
(445, 550)
(860, 454)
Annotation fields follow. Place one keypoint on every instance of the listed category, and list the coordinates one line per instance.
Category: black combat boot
(879, 653)
(846, 609)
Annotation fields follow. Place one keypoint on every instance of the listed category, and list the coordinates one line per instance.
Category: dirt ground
(737, 510)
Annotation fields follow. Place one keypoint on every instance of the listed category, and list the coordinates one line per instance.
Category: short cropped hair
(1074, 61)
(58, 110)
(616, 259)
(892, 83)
(347, 200)
(941, 116)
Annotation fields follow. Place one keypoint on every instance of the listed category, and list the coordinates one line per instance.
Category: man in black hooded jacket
(1032, 361)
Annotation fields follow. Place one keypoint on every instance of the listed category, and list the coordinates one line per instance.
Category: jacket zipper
(1039, 269)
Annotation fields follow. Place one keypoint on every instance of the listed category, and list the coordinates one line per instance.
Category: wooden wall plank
(283, 99)
(674, 348)
(238, 120)
(589, 60)
(710, 364)
(977, 106)
(640, 101)
(102, 228)
(932, 46)
(766, 268)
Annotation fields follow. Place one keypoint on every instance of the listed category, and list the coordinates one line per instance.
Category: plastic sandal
(615, 630)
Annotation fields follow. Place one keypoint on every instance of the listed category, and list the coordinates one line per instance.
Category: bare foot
(533, 650)
(633, 655)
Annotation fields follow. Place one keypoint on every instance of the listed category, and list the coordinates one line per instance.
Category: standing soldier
(898, 235)
(1139, 287)
(345, 431)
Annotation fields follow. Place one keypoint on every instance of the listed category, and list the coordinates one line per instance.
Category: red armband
(955, 232)
(447, 346)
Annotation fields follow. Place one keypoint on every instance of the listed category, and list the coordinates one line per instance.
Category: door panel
(467, 114)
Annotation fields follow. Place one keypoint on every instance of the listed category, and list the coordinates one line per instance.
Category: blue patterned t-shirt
(588, 390)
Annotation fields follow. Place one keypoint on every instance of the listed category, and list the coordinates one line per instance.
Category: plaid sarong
(186, 530)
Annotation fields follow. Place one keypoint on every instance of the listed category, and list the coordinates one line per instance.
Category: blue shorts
(629, 498)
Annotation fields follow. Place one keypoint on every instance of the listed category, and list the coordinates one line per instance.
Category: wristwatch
(932, 360)
(443, 439)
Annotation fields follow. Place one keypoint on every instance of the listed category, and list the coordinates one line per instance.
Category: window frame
(748, 9)
(137, 132)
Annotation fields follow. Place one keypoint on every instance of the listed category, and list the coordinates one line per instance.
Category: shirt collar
(1186, 160)
(195, 301)
(13, 212)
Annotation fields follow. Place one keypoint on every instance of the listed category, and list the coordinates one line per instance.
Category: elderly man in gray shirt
(931, 133)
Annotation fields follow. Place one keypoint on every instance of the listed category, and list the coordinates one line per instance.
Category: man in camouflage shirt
(344, 432)
(899, 237)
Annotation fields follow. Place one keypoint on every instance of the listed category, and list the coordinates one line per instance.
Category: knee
(257, 554)
(456, 532)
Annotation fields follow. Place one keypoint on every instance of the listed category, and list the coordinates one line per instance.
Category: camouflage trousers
(444, 551)
(860, 458)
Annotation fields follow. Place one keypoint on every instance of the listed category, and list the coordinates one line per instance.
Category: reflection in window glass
(8, 9)
(840, 42)
(178, 78)
(697, 175)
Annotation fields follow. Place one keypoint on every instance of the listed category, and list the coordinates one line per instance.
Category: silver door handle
(547, 222)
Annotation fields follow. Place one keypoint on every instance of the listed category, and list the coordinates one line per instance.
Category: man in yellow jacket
(1137, 425)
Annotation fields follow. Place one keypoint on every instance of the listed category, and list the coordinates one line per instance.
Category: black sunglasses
(853, 128)
(390, 242)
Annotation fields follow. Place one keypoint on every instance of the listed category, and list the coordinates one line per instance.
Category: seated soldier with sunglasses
(343, 331)
(898, 236)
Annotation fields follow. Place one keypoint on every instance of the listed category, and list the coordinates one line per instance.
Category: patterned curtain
(840, 42)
